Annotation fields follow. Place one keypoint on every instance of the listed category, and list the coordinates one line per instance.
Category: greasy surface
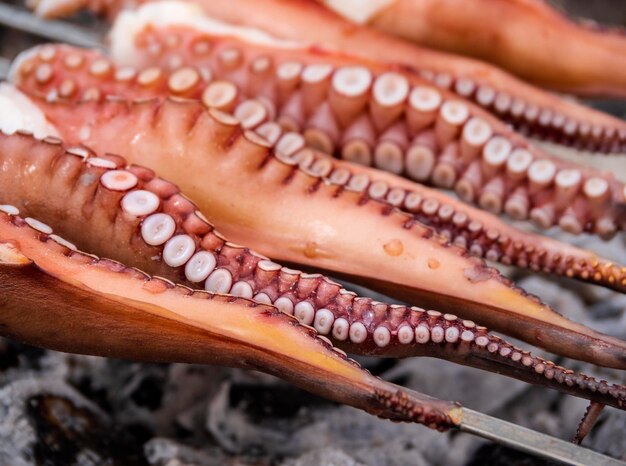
(402, 259)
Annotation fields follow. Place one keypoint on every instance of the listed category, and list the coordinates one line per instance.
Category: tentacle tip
(577, 440)
(402, 406)
(587, 422)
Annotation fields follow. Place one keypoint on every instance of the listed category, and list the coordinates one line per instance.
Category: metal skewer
(482, 425)
(530, 441)
(58, 31)
(5, 65)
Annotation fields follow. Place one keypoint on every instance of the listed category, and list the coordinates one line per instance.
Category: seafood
(307, 158)
(528, 108)
(526, 37)
(71, 75)
(259, 198)
(168, 270)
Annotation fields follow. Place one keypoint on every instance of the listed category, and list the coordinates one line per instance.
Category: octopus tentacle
(403, 258)
(529, 109)
(523, 105)
(432, 138)
(480, 233)
(603, 134)
(387, 120)
(66, 69)
(126, 213)
(74, 299)
(490, 30)
(586, 423)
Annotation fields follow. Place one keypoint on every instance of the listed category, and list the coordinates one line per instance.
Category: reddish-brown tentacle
(527, 37)
(529, 109)
(63, 299)
(126, 213)
(586, 423)
(236, 177)
(481, 233)
(509, 98)
(426, 136)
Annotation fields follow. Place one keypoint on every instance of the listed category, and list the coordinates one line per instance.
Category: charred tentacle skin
(126, 213)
